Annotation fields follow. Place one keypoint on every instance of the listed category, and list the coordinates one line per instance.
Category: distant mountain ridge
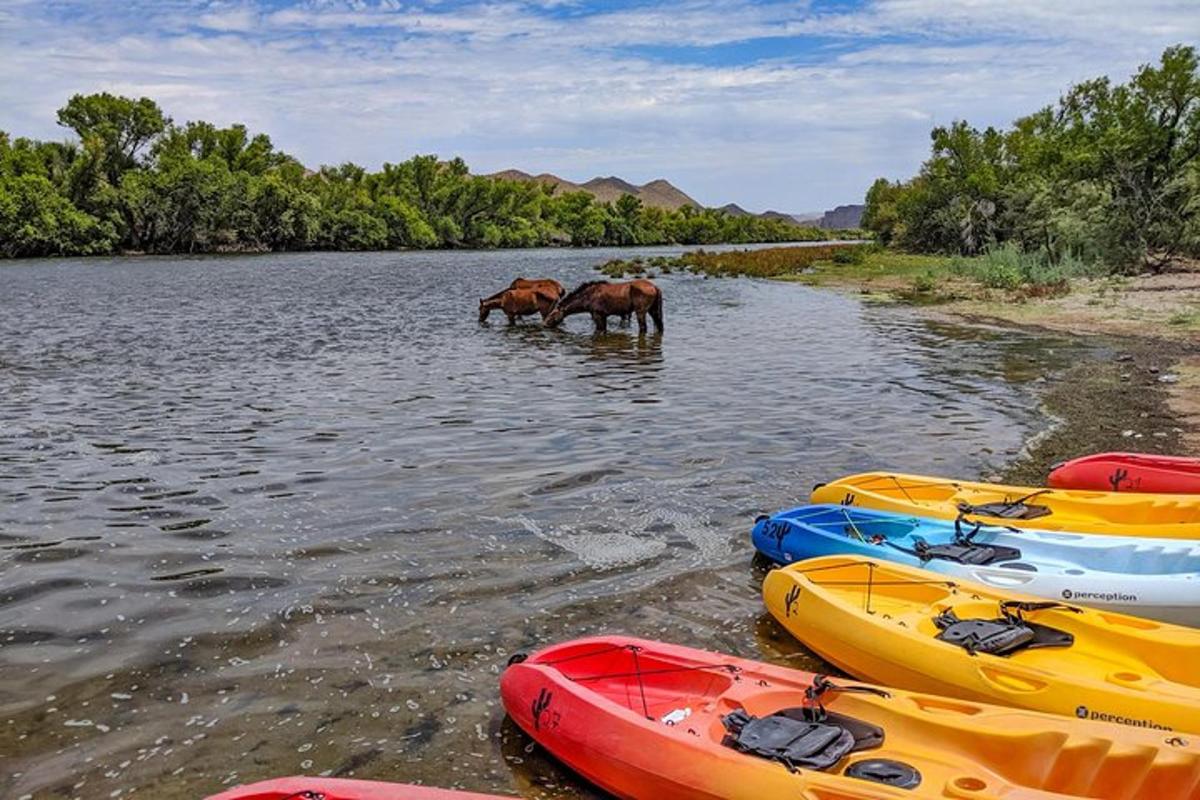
(843, 217)
(663, 194)
(658, 193)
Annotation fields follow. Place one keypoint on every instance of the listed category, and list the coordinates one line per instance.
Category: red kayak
(651, 721)
(300, 788)
(1129, 472)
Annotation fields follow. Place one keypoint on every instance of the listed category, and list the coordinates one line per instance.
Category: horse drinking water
(602, 299)
(517, 303)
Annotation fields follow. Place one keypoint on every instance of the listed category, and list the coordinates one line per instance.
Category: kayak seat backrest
(794, 739)
(1006, 510)
(971, 553)
(1001, 636)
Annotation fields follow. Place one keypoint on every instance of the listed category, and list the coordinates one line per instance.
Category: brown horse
(602, 299)
(517, 303)
(546, 285)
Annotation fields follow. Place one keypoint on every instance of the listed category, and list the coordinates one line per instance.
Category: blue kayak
(1157, 578)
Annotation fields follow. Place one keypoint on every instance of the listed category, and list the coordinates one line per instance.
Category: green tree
(35, 220)
(122, 126)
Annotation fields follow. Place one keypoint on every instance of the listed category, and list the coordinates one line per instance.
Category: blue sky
(793, 106)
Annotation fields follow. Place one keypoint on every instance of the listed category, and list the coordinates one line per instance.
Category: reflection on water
(287, 514)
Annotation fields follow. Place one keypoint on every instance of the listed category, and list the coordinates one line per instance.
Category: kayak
(652, 721)
(1157, 578)
(915, 629)
(1128, 472)
(1163, 516)
(302, 788)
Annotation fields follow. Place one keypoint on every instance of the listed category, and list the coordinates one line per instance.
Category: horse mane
(496, 296)
(580, 290)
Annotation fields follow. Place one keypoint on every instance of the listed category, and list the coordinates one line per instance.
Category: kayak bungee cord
(914, 485)
(870, 582)
(853, 527)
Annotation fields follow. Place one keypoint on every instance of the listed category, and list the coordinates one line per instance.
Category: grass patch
(771, 262)
(1027, 273)
(1188, 318)
(1008, 271)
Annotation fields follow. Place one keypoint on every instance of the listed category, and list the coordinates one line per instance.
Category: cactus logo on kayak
(1083, 712)
(1102, 597)
(848, 500)
(789, 600)
(542, 713)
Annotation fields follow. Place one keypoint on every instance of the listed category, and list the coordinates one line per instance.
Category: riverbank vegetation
(1107, 179)
(770, 262)
(134, 181)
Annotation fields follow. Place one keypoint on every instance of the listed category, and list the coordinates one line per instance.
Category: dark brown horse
(547, 285)
(517, 303)
(602, 299)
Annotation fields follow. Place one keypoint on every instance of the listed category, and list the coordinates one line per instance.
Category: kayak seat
(1001, 636)
(793, 738)
(1006, 510)
(965, 552)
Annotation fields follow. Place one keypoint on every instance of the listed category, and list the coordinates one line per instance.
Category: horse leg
(656, 312)
(512, 318)
(641, 315)
(600, 321)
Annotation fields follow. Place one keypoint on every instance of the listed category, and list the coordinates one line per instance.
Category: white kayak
(1155, 578)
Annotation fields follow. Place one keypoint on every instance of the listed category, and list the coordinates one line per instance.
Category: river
(292, 513)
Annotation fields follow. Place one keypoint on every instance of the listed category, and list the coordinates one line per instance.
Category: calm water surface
(283, 514)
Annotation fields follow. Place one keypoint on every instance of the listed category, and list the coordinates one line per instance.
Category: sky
(790, 106)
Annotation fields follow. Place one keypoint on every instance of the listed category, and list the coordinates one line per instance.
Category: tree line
(134, 181)
(1107, 176)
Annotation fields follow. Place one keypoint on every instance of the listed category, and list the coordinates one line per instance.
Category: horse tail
(656, 309)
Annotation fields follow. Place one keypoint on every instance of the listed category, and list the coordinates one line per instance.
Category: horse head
(555, 317)
(484, 310)
(574, 302)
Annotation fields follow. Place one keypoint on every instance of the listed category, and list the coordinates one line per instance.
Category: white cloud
(556, 87)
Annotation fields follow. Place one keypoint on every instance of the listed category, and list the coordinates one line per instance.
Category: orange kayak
(1129, 472)
(301, 788)
(652, 721)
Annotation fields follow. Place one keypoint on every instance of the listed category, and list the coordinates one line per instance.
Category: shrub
(1010, 268)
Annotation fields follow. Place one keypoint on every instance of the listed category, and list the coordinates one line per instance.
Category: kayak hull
(646, 720)
(1156, 578)
(1117, 669)
(1129, 472)
(1161, 516)
(294, 788)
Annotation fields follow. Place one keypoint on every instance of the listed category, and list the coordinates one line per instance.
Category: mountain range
(663, 194)
(659, 193)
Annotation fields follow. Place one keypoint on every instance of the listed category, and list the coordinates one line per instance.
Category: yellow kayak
(1164, 516)
(900, 626)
